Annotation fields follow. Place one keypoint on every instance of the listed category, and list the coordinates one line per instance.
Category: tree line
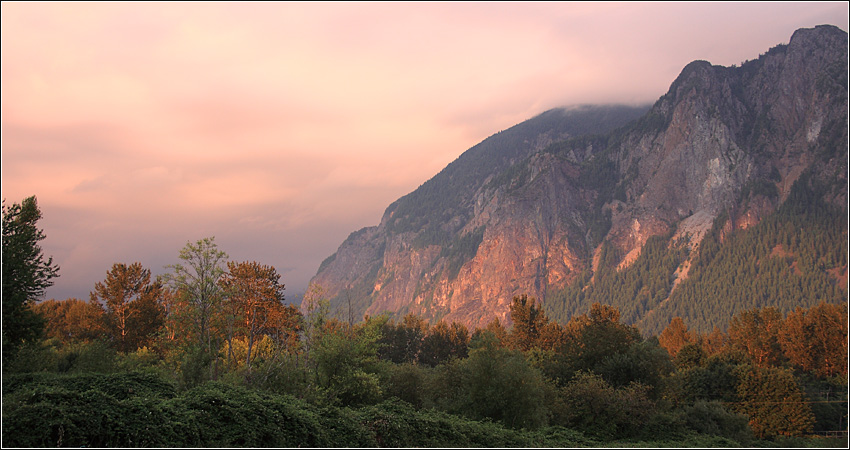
(210, 320)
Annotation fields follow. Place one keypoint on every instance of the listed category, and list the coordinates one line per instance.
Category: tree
(644, 362)
(715, 380)
(714, 342)
(529, 322)
(676, 336)
(133, 311)
(26, 274)
(593, 337)
(592, 405)
(493, 382)
(773, 401)
(257, 293)
(756, 332)
(344, 362)
(72, 320)
(691, 355)
(402, 343)
(444, 342)
(816, 340)
(197, 283)
(495, 326)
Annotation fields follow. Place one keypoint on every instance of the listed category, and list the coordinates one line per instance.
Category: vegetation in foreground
(210, 355)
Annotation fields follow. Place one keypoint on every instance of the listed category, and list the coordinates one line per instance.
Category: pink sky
(279, 128)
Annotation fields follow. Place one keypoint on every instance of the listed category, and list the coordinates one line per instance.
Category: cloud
(281, 127)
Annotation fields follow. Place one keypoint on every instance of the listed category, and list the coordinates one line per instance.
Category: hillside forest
(211, 355)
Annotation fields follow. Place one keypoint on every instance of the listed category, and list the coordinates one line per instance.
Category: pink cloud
(282, 127)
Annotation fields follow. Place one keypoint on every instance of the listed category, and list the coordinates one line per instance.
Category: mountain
(578, 204)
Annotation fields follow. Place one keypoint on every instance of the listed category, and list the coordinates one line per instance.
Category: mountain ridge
(527, 210)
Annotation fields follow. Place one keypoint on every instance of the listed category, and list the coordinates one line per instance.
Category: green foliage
(344, 361)
(26, 275)
(783, 261)
(444, 342)
(644, 362)
(711, 417)
(529, 320)
(396, 424)
(402, 343)
(594, 339)
(635, 290)
(137, 410)
(773, 401)
(591, 404)
(630, 398)
(76, 357)
(406, 382)
(494, 383)
(194, 368)
(691, 355)
(196, 280)
(716, 380)
(42, 410)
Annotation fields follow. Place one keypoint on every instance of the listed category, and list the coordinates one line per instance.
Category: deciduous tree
(815, 340)
(756, 332)
(257, 293)
(597, 335)
(676, 336)
(195, 281)
(714, 342)
(72, 320)
(444, 342)
(529, 321)
(773, 401)
(132, 301)
(402, 342)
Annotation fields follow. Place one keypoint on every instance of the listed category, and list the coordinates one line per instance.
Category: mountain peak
(550, 202)
(820, 34)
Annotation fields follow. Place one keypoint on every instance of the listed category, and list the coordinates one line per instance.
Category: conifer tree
(26, 274)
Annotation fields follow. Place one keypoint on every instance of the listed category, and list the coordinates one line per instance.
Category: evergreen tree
(26, 275)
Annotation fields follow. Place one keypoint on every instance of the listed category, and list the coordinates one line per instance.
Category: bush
(95, 356)
(141, 359)
(712, 418)
(142, 410)
(406, 382)
(395, 423)
(134, 410)
(590, 404)
(48, 410)
(492, 383)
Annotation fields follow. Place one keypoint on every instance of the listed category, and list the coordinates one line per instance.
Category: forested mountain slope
(729, 193)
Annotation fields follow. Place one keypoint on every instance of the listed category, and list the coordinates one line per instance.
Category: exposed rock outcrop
(525, 210)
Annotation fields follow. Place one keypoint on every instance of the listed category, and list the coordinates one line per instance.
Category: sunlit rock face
(527, 209)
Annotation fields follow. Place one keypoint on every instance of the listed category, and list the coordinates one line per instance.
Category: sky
(280, 128)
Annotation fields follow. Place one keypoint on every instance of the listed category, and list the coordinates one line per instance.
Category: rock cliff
(525, 211)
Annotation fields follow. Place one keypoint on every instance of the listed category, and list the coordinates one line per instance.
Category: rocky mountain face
(526, 210)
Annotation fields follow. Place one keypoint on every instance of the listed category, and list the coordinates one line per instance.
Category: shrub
(712, 418)
(494, 383)
(592, 405)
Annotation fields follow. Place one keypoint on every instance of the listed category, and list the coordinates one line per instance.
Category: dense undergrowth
(139, 409)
